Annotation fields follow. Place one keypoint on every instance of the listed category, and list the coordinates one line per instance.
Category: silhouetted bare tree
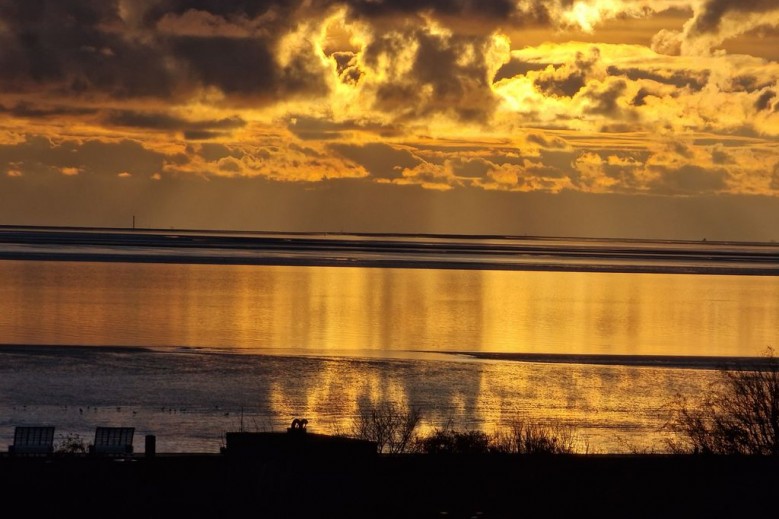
(739, 414)
(390, 425)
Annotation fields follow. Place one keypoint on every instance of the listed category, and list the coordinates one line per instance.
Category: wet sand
(389, 251)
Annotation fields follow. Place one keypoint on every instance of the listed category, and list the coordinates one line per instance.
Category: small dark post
(151, 445)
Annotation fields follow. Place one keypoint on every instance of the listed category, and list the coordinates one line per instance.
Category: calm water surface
(324, 343)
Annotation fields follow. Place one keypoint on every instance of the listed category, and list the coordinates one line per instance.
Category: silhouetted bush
(391, 426)
(72, 444)
(738, 415)
(521, 437)
(394, 427)
(449, 441)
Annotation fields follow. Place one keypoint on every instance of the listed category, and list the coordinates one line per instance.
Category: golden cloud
(301, 92)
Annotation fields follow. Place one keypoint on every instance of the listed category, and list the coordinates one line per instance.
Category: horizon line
(190, 230)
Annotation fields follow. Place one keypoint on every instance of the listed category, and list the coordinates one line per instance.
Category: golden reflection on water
(310, 309)
(370, 316)
(611, 408)
(334, 395)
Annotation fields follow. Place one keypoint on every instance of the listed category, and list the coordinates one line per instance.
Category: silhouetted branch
(389, 425)
(739, 414)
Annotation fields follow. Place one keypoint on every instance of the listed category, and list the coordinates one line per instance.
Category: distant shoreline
(391, 251)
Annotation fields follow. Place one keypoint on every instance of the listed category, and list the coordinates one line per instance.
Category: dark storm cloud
(640, 98)
(90, 49)
(165, 122)
(517, 67)
(558, 159)
(750, 83)
(465, 87)
(86, 47)
(201, 135)
(604, 100)
(213, 152)
(241, 66)
(764, 101)
(312, 128)
(694, 80)
(625, 174)
(30, 111)
(499, 11)
(380, 160)
(91, 157)
(439, 80)
(681, 149)
(713, 11)
(78, 47)
(689, 180)
(224, 8)
(719, 156)
(191, 130)
(567, 85)
(549, 142)
(102, 157)
(567, 79)
(235, 65)
(476, 168)
(347, 67)
(246, 67)
(545, 171)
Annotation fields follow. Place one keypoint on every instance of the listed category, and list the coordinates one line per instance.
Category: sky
(580, 118)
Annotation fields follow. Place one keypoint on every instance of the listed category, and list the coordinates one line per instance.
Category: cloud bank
(497, 95)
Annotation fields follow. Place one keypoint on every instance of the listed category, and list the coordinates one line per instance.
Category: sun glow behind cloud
(443, 96)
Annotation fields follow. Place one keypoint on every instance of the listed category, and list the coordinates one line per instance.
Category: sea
(187, 336)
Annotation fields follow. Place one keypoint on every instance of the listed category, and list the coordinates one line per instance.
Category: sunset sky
(612, 118)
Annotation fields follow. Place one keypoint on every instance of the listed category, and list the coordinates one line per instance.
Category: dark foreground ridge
(387, 250)
(324, 479)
